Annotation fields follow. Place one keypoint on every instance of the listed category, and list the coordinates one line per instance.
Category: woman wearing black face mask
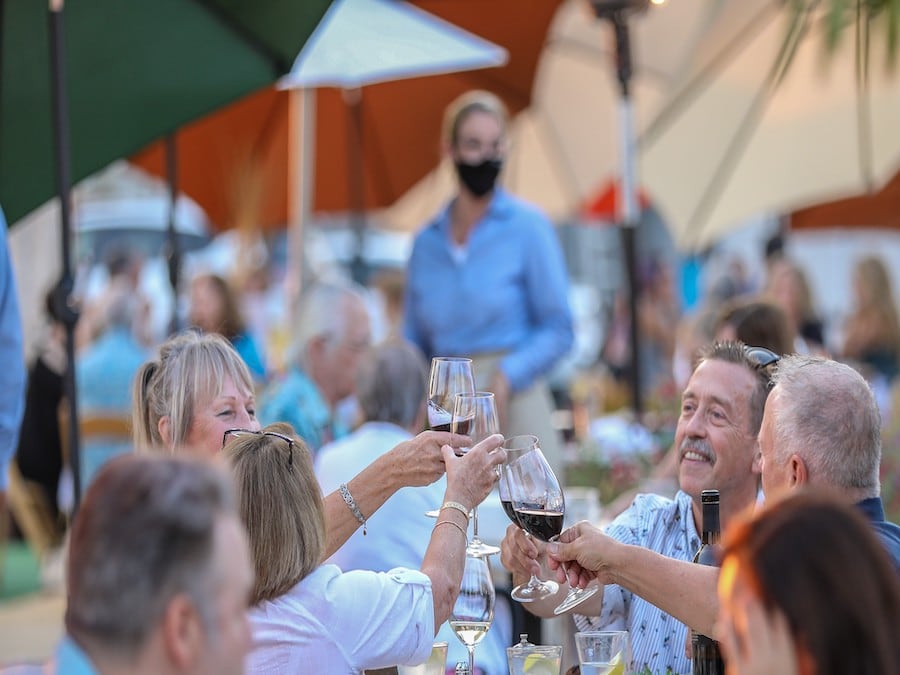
(486, 278)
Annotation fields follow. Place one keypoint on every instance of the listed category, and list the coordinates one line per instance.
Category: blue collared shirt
(12, 356)
(505, 292)
(888, 532)
(657, 639)
(295, 399)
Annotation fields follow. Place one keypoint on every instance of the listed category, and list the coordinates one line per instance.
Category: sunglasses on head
(761, 358)
(238, 433)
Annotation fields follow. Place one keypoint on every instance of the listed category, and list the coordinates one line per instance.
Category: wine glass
(473, 611)
(540, 507)
(450, 375)
(515, 447)
(475, 416)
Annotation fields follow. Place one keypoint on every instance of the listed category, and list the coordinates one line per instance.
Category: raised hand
(471, 478)
(419, 461)
(519, 553)
(584, 549)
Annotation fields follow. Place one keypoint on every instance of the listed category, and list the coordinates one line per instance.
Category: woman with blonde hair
(872, 331)
(486, 278)
(199, 387)
(304, 612)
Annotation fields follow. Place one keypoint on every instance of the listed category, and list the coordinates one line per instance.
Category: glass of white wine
(473, 611)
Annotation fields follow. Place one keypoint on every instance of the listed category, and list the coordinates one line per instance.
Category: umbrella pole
(356, 186)
(616, 12)
(62, 293)
(173, 255)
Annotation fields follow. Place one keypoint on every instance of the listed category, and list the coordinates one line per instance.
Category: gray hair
(828, 416)
(324, 311)
(390, 384)
(191, 369)
(144, 534)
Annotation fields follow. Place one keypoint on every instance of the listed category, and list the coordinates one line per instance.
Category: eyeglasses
(238, 433)
(761, 358)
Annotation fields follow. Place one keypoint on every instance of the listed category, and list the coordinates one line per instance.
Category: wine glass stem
(475, 523)
(471, 649)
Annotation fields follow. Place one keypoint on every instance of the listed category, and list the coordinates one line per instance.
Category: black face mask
(479, 179)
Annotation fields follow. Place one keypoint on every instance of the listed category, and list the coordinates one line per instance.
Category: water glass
(435, 665)
(604, 652)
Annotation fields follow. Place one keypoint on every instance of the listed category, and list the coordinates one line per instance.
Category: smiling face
(232, 408)
(716, 449)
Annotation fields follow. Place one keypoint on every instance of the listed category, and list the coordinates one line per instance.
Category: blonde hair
(476, 100)
(281, 505)
(191, 369)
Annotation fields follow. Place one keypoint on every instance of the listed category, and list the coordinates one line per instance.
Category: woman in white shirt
(306, 615)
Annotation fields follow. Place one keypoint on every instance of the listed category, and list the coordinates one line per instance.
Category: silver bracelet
(351, 504)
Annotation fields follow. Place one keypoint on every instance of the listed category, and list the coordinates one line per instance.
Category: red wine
(509, 510)
(706, 658)
(540, 523)
(438, 418)
(462, 426)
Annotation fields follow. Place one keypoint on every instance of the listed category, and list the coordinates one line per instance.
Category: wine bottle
(705, 654)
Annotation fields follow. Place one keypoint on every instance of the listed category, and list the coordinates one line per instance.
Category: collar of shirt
(70, 659)
(498, 209)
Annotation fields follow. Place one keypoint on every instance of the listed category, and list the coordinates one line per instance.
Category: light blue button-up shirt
(505, 292)
(657, 639)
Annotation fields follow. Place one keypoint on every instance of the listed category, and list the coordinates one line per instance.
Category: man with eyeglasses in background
(330, 335)
(721, 412)
(821, 429)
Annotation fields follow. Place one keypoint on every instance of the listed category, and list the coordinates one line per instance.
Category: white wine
(470, 633)
(603, 668)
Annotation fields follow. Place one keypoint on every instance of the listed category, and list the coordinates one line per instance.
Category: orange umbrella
(235, 162)
(880, 209)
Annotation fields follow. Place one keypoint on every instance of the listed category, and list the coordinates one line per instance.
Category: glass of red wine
(450, 375)
(538, 502)
(515, 447)
(475, 416)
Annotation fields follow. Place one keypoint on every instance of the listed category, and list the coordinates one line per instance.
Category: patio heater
(617, 13)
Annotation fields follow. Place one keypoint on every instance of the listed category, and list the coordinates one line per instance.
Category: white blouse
(344, 623)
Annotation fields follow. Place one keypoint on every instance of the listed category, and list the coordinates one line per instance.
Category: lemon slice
(539, 664)
(616, 665)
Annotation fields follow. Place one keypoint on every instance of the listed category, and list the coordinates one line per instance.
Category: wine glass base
(529, 593)
(575, 598)
(434, 513)
(478, 548)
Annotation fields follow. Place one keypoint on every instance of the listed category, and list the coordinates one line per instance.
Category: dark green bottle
(705, 654)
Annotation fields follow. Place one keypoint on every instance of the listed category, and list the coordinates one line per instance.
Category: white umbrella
(563, 148)
(363, 42)
(740, 139)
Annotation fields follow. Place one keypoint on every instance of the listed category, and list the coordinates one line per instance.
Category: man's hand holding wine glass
(580, 555)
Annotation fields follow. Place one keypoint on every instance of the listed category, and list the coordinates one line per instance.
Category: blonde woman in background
(872, 331)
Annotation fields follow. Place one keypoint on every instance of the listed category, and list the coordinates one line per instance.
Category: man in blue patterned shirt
(820, 430)
(330, 335)
(721, 412)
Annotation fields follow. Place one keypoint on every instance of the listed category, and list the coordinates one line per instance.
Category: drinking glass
(475, 416)
(540, 507)
(515, 447)
(473, 611)
(450, 376)
(604, 652)
(435, 665)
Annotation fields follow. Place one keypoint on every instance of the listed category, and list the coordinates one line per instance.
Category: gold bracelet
(456, 505)
(456, 525)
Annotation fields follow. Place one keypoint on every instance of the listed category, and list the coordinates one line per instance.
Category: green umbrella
(135, 71)
(83, 87)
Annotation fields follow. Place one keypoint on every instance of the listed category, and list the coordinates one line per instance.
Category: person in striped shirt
(721, 412)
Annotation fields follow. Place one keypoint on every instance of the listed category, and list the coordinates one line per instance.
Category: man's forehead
(723, 381)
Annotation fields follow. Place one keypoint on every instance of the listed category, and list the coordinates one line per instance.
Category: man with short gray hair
(332, 331)
(158, 572)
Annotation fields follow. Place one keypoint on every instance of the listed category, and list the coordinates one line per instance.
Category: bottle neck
(711, 527)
